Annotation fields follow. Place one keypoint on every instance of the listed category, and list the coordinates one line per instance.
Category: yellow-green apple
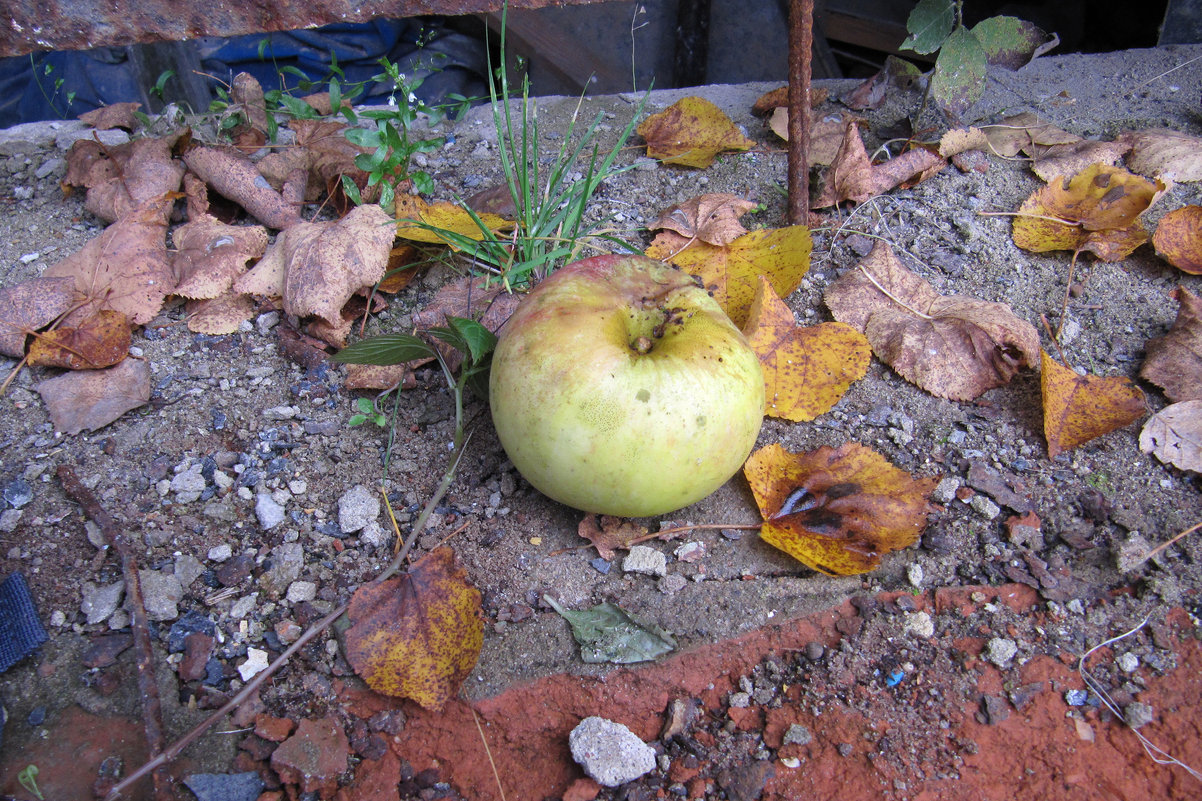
(619, 386)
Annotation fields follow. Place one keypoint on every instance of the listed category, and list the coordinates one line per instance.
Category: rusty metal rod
(801, 44)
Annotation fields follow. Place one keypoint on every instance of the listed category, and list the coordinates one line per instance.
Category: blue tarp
(30, 88)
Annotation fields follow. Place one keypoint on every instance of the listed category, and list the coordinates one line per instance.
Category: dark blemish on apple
(701, 421)
(643, 394)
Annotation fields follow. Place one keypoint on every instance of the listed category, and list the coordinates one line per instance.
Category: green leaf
(365, 405)
(929, 24)
(608, 633)
(422, 182)
(1009, 42)
(479, 340)
(297, 107)
(357, 420)
(335, 94)
(351, 190)
(960, 69)
(385, 349)
(363, 137)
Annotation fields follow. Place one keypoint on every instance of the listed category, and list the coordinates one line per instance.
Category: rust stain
(33, 25)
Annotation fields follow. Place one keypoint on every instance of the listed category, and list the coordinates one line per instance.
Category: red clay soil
(1047, 750)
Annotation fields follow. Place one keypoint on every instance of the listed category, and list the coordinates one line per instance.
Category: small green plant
(46, 71)
(367, 411)
(392, 136)
(473, 341)
(29, 780)
(551, 196)
(966, 53)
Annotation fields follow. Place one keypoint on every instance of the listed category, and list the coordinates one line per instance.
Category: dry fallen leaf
(92, 399)
(210, 255)
(779, 98)
(102, 340)
(609, 533)
(1178, 239)
(953, 347)
(316, 267)
(691, 132)
(122, 177)
(1174, 361)
(712, 218)
(1174, 435)
(731, 273)
(417, 635)
(1026, 133)
(852, 175)
(837, 510)
(234, 177)
(29, 306)
(114, 115)
(1078, 408)
(1097, 210)
(1070, 159)
(1169, 155)
(471, 297)
(806, 370)
(380, 376)
(125, 268)
(219, 316)
(960, 140)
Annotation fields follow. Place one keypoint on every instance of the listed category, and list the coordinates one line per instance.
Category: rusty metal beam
(27, 26)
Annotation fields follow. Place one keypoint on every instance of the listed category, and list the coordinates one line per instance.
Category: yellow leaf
(806, 370)
(731, 273)
(447, 216)
(417, 636)
(838, 510)
(1097, 210)
(1078, 408)
(691, 132)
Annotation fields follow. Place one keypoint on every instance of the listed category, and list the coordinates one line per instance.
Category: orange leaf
(1174, 361)
(418, 635)
(1097, 210)
(952, 346)
(806, 370)
(1178, 239)
(691, 132)
(1078, 408)
(731, 273)
(448, 216)
(102, 340)
(838, 510)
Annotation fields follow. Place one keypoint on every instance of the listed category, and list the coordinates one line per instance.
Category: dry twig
(152, 710)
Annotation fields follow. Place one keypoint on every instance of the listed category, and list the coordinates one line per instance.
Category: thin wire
(1156, 754)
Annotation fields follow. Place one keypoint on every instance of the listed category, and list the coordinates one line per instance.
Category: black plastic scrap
(20, 630)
